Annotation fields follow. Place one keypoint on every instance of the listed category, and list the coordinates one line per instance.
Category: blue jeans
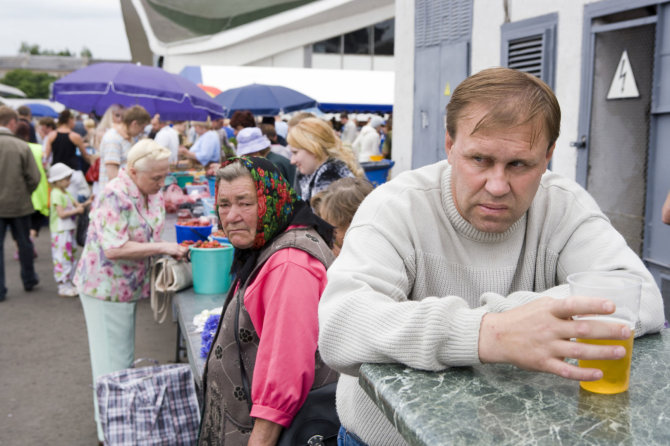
(20, 227)
(346, 438)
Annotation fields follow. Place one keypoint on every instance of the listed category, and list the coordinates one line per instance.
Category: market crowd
(97, 181)
(462, 262)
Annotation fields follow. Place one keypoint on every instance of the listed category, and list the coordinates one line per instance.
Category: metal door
(619, 128)
(629, 180)
(441, 62)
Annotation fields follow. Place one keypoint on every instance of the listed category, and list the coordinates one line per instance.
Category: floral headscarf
(278, 208)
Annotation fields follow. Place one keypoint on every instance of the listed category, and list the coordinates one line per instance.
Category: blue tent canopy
(354, 91)
(333, 107)
(40, 110)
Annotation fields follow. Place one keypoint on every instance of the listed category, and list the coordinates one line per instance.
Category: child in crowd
(62, 224)
(338, 203)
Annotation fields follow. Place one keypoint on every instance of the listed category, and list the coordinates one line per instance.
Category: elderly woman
(319, 156)
(114, 269)
(279, 243)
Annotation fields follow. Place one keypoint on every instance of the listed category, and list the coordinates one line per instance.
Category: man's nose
(497, 182)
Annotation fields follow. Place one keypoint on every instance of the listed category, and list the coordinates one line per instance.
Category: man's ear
(448, 144)
(550, 153)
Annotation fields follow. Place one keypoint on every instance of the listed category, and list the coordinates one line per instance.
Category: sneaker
(74, 288)
(66, 290)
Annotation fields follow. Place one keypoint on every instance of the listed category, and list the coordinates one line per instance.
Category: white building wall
(356, 62)
(327, 61)
(383, 63)
(352, 62)
(293, 58)
(489, 16)
(403, 102)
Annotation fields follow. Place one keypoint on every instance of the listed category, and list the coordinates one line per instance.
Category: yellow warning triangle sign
(447, 89)
(623, 84)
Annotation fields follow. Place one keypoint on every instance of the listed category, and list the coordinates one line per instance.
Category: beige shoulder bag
(167, 277)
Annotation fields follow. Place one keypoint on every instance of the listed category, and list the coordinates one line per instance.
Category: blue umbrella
(263, 99)
(95, 87)
(40, 110)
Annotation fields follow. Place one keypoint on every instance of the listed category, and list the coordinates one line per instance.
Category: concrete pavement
(45, 375)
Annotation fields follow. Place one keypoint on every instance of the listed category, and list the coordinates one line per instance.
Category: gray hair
(232, 172)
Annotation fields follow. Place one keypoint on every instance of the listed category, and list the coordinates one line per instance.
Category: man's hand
(536, 336)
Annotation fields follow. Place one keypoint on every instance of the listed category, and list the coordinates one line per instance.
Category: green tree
(34, 85)
(85, 52)
(27, 48)
(35, 50)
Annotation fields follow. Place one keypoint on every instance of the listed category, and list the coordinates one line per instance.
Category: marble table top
(503, 405)
(189, 304)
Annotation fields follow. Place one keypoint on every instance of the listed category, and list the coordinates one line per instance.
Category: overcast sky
(64, 24)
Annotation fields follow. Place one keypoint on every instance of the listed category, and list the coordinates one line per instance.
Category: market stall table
(188, 304)
(503, 405)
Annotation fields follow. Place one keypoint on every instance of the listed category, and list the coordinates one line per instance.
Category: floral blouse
(122, 213)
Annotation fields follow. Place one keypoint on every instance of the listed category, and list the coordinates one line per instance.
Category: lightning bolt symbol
(622, 75)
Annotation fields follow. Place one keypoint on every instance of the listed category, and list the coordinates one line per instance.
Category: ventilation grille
(527, 55)
(442, 22)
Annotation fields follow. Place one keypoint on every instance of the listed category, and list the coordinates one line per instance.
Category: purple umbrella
(95, 87)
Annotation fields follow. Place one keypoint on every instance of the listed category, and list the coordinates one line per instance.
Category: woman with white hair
(114, 269)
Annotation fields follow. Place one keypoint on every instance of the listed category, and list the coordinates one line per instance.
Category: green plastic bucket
(182, 181)
(211, 269)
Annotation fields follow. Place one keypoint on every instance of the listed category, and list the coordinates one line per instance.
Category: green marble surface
(503, 405)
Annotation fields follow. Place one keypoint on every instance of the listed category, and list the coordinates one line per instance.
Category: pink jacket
(282, 302)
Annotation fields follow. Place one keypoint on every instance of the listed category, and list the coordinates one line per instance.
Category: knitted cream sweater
(414, 279)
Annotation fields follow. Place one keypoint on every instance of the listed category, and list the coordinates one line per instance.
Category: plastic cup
(624, 290)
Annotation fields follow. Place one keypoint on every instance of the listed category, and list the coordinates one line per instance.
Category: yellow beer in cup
(616, 372)
(624, 290)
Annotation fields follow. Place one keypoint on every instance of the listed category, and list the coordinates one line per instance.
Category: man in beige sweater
(465, 261)
(19, 176)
